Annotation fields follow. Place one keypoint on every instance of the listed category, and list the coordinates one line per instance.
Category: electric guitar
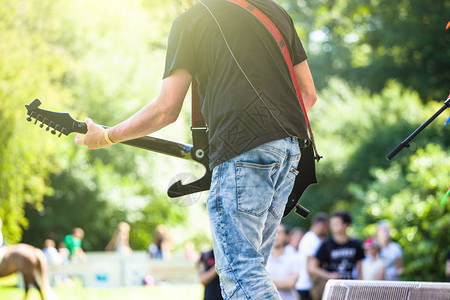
(63, 123)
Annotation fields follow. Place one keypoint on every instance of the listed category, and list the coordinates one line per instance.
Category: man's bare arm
(206, 276)
(306, 84)
(287, 282)
(447, 268)
(314, 269)
(154, 116)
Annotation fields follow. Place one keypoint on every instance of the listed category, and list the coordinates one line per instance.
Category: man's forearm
(306, 84)
(207, 276)
(149, 119)
(285, 283)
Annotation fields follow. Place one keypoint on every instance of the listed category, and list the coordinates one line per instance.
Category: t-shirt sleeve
(359, 251)
(299, 53)
(309, 245)
(322, 254)
(202, 258)
(180, 50)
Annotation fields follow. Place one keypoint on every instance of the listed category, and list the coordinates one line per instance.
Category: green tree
(30, 67)
(410, 200)
(115, 69)
(355, 131)
(371, 42)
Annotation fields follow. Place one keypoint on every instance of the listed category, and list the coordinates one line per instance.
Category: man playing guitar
(256, 126)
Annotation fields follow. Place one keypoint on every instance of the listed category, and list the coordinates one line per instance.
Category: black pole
(405, 143)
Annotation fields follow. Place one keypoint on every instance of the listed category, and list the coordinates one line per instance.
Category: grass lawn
(161, 292)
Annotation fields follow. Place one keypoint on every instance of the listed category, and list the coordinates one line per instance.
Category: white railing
(105, 269)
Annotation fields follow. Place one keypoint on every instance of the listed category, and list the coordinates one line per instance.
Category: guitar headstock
(59, 122)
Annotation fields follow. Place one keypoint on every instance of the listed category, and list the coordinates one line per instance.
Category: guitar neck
(154, 144)
(167, 147)
(65, 124)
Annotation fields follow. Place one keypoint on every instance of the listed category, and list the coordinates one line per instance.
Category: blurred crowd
(300, 263)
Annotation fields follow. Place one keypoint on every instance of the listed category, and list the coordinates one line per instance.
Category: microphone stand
(405, 143)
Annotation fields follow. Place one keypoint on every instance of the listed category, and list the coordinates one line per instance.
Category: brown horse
(29, 261)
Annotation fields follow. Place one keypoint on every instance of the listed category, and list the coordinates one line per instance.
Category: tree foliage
(371, 42)
(410, 200)
(101, 60)
(355, 131)
(30, 67)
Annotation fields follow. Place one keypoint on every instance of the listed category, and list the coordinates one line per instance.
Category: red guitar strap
(198, 121)
(273, 29)
(199, 128)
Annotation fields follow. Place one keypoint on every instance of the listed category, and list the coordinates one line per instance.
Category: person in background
(51, 254)
(307, 248)
(120, 242)
(293, 239)
(2, 243)
(373, 267)
(73, 243)
(339, 254)
(208, 276)
(190, 254)
(283, 267)
(162, 246)
(447, 266)
(390, 252)
(64, 253)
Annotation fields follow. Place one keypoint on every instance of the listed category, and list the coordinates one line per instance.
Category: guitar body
(305, 177)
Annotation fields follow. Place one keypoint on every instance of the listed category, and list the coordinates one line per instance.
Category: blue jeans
(245, 205)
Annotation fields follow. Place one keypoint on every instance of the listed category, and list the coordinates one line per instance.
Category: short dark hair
(343, 215)
(319, 218)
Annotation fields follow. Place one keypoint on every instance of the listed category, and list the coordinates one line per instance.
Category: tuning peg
(57, 128)
(59, 135)
(29, 119)
(41, 125)
(63, 130)
(35, 121)
(52, 125)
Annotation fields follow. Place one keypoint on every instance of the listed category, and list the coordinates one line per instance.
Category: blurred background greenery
(381, 69)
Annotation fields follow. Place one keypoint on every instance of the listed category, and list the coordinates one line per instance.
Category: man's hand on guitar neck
(94, 138)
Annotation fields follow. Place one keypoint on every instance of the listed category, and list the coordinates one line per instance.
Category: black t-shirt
(212, 289)
(237, 118)
(339, 258)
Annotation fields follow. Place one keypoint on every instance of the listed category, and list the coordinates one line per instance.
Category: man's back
(238, 120)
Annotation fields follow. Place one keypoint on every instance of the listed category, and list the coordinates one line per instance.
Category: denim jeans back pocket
(255, 186)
